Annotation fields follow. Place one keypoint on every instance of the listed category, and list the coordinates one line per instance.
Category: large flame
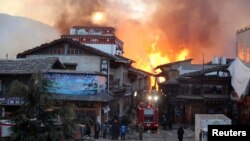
(183, 54)
(156, 57)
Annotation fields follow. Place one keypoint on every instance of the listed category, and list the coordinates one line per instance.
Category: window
(148, 112)
(76, 51)
(69, 66)
(213, 89)
(80, 52)
(196, 89)
(73, 51)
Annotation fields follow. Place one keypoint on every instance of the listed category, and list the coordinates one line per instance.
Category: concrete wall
(84, 63)
(118, 74)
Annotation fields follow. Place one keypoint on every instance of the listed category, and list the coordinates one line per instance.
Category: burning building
(102, 38)
(243, 44)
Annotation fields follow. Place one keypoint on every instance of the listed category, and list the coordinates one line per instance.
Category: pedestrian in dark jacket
(87, 130)
(116, 130)
(180, 133)
(170, 123)
(140, 130)
(104, 129)
(97, 130)
(112, 131)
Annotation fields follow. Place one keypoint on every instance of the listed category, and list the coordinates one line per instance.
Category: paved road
(161, 135)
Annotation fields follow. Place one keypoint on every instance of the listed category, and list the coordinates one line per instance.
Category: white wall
(118, 74)
(108, 48)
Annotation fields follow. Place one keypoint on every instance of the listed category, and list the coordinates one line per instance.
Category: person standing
(88, 130)
(116, 130)
(112, 131)
(123, 130)
(97, 130)
(140, 129)
(180, 133)
(104, 129)
(170, 123)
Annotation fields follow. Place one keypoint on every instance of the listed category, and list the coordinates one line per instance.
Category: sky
(150, 29)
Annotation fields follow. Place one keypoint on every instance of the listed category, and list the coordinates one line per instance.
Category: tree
(38, 119)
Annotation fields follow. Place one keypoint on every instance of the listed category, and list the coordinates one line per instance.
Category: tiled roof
(139, 71)
(169, 64)
(208, 70)
(75, 72)
(29, 66)
(76, 43)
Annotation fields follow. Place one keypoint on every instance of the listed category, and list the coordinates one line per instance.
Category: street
(161, 135)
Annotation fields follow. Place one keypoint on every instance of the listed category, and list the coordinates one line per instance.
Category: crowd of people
(113, 130)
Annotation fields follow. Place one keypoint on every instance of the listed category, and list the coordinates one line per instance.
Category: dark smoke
(75, 12)
(187, 24)
(202, 26)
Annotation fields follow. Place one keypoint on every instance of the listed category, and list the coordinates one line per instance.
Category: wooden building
(195, 92)
(22, 71)
(81, 59)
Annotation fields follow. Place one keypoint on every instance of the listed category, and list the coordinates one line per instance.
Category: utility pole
(203, 61)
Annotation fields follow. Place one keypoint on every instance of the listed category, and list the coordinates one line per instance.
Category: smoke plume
(201, 26)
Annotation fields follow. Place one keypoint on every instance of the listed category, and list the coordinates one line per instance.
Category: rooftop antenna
(6, 56)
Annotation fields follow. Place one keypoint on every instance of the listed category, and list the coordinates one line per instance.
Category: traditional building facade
(194, 89)
(20, 70)
(83, 64)
(102, 38)
(79, 59)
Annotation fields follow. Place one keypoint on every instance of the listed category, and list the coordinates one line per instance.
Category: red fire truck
(147, 114)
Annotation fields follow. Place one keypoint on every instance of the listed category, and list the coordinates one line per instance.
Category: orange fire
(155, 58)
(182, 56)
